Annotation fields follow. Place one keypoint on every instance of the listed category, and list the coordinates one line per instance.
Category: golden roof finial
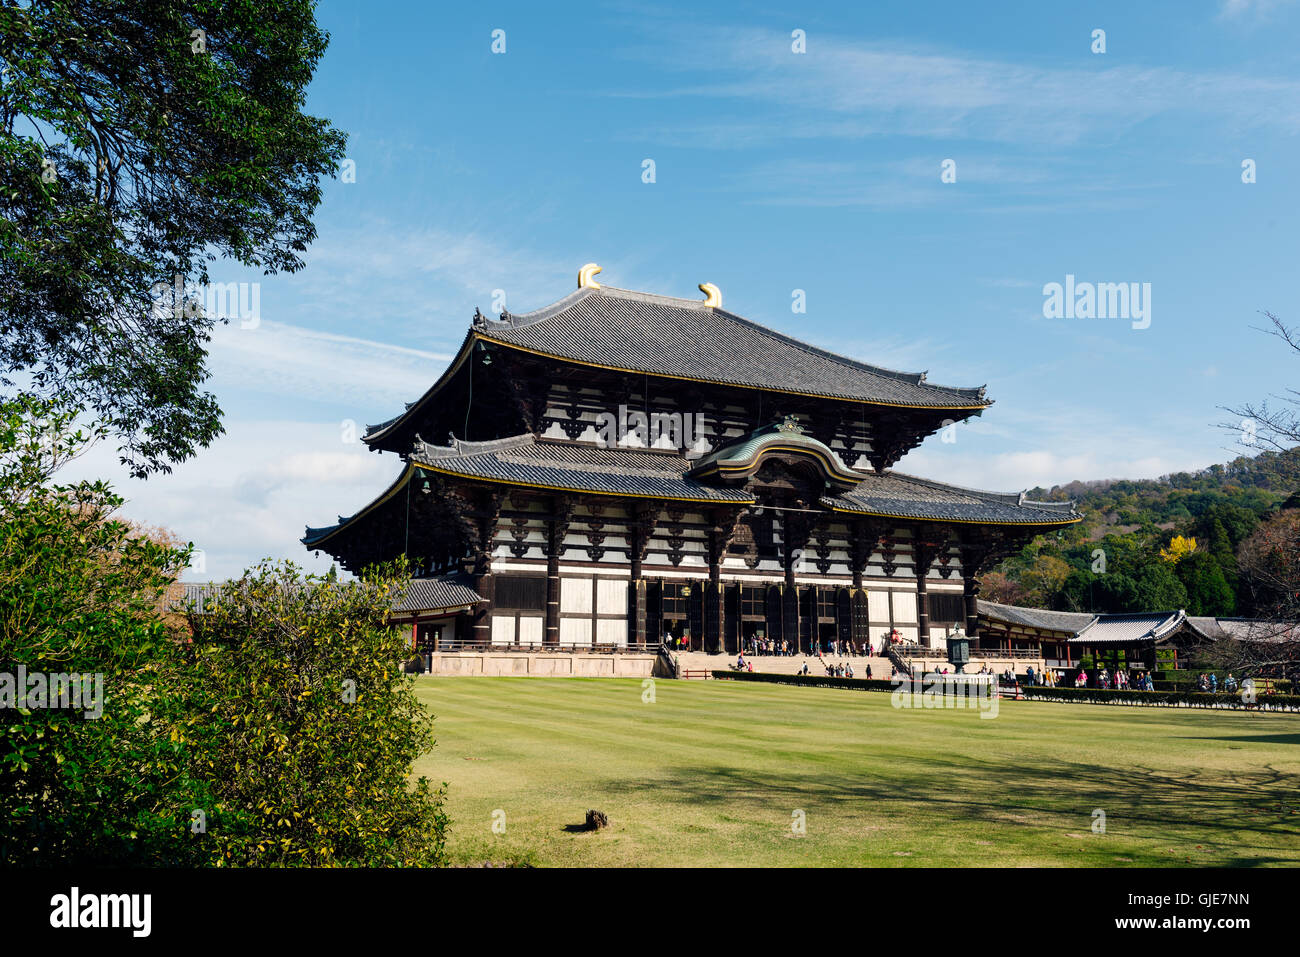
(586, 276)
(712, 295)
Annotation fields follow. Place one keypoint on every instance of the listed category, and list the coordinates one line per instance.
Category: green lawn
(712, 773)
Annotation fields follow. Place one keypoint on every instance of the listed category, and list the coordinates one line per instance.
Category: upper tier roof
(687, 339)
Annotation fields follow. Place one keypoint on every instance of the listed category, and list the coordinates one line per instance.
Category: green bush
(1195, 699)
(306, 726)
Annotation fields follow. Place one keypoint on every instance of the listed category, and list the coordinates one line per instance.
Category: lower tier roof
(525, 461)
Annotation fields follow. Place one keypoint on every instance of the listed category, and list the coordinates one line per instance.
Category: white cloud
(252, 493)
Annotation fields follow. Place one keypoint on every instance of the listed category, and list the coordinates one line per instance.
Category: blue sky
(777, 171)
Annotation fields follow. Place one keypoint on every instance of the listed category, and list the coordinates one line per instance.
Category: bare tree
(1269, 560)
(1276, 426)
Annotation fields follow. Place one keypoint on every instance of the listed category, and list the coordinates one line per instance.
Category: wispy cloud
(1257, 9)
(286, 360)
(844, 88)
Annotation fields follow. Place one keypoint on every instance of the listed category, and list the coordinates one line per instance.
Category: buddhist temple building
(621, 466)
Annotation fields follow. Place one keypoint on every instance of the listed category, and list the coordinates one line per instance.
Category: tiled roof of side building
(435, 594)
(1140, 626)
(684, 338)
(1069, 622)
(1087, 627)
(1245, 629)
(894, 495)
(423, 594)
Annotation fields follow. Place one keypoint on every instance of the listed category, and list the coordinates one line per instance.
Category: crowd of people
(779, 647)
(1105, 679)
(844, 669)
(1210, 682)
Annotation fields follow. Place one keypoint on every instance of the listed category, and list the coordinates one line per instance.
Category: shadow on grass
(1230, 814)
(1252, 738)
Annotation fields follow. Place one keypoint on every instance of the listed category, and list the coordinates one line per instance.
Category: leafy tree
(285, 721)
(306, 726)
(1155, 587)
(1208, 591)
(139, 142)
(1002, 588)
(1179, 548)
(1044, 577)
(79, 594)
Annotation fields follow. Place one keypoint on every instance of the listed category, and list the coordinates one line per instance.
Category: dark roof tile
(639, 332)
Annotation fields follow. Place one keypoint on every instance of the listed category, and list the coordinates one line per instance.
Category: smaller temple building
(1147, 641)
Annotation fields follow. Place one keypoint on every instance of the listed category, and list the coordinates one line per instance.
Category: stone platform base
(546, 664)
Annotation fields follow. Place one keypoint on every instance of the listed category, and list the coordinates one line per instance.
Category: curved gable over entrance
(784, 446)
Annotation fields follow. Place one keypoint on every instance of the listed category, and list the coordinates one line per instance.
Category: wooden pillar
(795, 532)
(970, 593)
(556, 528)
(724, 524)
(477, 512)
(922, 557)
(552, 636)
(790, 610)
(973, 558)
(714, 632)
(641, 526)
(483, 584)
(639, 610)
(714, 614)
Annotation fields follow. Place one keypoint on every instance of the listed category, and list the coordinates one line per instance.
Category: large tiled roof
(552, 464)
(639, 332)
(894, 495)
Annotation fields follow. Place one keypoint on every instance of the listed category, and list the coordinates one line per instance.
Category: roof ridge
(459, 448)
(518, 320)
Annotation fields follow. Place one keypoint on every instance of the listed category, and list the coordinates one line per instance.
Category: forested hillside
(1187, 540)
